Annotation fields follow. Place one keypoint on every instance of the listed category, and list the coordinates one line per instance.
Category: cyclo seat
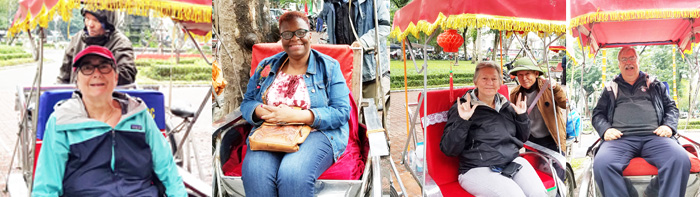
(182, 111)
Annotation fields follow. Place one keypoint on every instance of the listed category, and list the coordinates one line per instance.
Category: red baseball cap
(94, 50)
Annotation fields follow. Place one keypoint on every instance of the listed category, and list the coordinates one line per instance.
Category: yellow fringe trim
(175, 10)
(629, 15)
(571, 58)
(479, 20)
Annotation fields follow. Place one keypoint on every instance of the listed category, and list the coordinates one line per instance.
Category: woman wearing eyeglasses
(299, 85)
(103, 143)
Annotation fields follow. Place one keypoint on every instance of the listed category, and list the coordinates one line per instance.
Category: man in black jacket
(636, 117)
(100, 29)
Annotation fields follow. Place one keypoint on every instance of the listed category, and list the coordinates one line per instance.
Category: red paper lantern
(450, 40)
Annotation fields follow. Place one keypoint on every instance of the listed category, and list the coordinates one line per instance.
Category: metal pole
(551, 91)
(35, 114)
(583, 64)
(187, 31)
(526, 49)
(194, 119)
(380, 72)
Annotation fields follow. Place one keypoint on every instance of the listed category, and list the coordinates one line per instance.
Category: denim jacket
(327, 90)
(364, 24)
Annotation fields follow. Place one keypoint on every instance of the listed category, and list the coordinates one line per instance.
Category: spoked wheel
(570, 182)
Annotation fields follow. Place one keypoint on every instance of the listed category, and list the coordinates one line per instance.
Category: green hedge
(693, 124)
(4, 49)
(17, 61)
(152, 62)
(183, 72)
(9, 56)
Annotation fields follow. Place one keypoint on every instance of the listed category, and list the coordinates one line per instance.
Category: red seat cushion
(453, 189)
(640, 167)
(342, 53)
(351, 164)
(535, 160)
(443, 169)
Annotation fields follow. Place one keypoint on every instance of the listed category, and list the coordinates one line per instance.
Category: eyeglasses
(299, 33)
(627, 59)
(104, 68)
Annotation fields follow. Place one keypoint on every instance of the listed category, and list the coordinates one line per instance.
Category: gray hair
(481, 65)
(624, 49)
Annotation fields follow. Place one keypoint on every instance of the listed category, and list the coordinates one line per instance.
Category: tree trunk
(496, 40)
(476, 45)
(240, 24)
(506, 46)
(464, 44)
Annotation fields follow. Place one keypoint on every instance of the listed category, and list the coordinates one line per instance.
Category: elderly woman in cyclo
(301, 85)
(486, 132)
(103, 143)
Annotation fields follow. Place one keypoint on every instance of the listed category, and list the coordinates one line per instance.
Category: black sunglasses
(104, 68)
(299, 33)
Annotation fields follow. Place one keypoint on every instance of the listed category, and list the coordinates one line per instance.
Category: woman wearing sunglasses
(103, 143)
(301, 85)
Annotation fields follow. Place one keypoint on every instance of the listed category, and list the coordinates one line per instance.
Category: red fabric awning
(509, 15)
(193, 14)
(609, 23)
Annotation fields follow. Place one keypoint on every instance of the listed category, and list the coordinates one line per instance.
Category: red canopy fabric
(509, 15)
(342, 53)
(609, 23)
(193, 14)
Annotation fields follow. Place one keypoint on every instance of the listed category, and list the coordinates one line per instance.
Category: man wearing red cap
(100, 30)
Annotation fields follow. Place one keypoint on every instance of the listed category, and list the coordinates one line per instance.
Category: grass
(14, 55)
(576, 163)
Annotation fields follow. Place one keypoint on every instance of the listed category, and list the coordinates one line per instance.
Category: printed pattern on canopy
(508, 15)
(194, 14)
(609, 23)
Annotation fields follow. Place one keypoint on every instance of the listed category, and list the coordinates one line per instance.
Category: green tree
(76, 25)
(7, 12)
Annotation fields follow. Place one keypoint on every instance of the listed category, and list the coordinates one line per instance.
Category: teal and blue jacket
(81, 156)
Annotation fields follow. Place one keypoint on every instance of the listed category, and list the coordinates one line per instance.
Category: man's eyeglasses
(628, 59)
(299, 33)
(104, 68)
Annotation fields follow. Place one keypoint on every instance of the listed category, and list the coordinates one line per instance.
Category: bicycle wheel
(570, 182)
(171, 138)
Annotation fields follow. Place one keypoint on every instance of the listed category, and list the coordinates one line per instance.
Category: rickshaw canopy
(508, 15)
(609, 23)
(195, 15)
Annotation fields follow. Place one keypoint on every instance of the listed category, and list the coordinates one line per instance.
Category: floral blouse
(289, 90)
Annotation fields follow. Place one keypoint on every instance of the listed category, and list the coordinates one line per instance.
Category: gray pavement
(23, 75)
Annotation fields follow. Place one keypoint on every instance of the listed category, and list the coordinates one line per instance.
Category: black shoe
(652, 189)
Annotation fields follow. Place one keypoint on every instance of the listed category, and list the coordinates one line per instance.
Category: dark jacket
(113, 39)
(488, 138)
(666, 111)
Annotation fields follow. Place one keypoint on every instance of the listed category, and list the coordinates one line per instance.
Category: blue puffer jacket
(81, 156)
